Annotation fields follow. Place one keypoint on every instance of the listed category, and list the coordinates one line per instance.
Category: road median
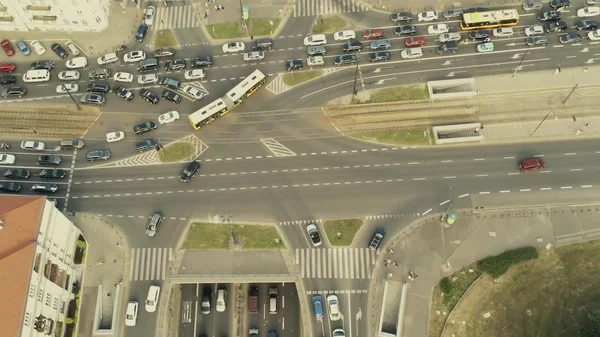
(341, 232)
(232, 236)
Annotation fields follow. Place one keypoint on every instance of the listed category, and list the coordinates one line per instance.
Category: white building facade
(54, 15)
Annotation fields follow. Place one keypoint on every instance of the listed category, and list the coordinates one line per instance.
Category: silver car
(154, 223)
(532, 5)
(453, 13)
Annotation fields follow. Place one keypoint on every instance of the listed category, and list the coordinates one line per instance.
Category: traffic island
(226, 30)
(176, 152)
(165, 39)
(232, 236)
(398, 94)
(295, 78)
(341, 232)
(263, 27)
(328, 24)
(396, 137)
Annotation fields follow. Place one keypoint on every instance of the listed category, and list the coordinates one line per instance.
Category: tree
(591, 326)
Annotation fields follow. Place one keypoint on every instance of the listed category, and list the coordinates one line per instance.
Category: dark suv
(479, 34)
(345, 59)
(17, 174)
(555, 27)
(170, 83)
(377, 238)
(98, 88)
(146, 145)
(549, 16)
(405, 30)
(10, 187)
(176, 64)
(103, 154)
(201, 62)
(293, 64)
(189, 171)
(144, 127)
(39, 65)
(171, 96)
(556, 4)
(447, 47)
(352, 45)
(8, 79)
(49, 159)
(15, 91)
(149, 96)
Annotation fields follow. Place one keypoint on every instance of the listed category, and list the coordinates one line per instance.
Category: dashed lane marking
(278, 149)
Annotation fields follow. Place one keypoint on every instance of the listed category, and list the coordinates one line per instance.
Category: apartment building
(39, 272)
(54, 15)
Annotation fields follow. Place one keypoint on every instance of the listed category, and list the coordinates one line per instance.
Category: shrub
(497, 265)
(445, 285)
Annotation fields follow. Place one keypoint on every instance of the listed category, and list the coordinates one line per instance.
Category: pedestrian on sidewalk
(205, 15)
(217, 8)
(222, 7)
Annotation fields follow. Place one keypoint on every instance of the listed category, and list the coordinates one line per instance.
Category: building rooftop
(20, 217)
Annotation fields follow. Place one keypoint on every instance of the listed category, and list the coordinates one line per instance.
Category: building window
(55, 303)
(48, 297)
(85, 23)
(98, 20)
(40, 295)
(62, 307)
(27, 319)
(32, 291)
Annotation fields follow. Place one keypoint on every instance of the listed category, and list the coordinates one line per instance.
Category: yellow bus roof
(491, 16)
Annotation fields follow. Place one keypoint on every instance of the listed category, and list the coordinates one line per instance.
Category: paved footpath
(433, 251)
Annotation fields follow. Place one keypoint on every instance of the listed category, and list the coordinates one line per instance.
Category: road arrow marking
(515, 56)
(359, 314)
(453, 73)
(511, 44)
(585, 50)
(523, 66)
(447, 63)
(378, 70)
(380, 82)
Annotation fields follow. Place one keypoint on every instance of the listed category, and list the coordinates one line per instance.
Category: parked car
(7, 47)
(401, 17)
(315, 61)
(171, 96)
(42, 65)
(233, 47)
(14, 91)
(149, 15)
(76, 63)
(8, 80)
(131, 313)
(59, 50)
(152, 298)
(333, 306)
(7, 67)
(586, 24)
(192, 91)
(23, 47)
(295, 64)
(108, 58)
(570, 38)
(92, 99)
(141, 32)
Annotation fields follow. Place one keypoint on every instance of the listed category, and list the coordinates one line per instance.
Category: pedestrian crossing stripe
(299, 222)
(278, 149)
(326, 7)
(337, 292)
(149, 264)
(176, 17)
(336, 263)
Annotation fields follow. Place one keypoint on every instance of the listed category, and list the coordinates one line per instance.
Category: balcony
(38, 8)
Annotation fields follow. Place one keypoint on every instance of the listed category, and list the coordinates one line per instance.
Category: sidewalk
(433, 251)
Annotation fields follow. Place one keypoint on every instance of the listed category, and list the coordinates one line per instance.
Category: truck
(253, 300)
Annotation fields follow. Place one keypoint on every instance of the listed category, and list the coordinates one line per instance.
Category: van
(253, 300)
(41, 75)
(262, 44)
(152, 298)
(148, 65)
(273, 295)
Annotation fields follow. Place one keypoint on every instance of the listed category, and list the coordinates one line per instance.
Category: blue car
(23, 47)
(318, 304)
(141, 33)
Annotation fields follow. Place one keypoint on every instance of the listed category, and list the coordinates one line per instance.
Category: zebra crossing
(149, 264)
(175, 17)
(325, 7)
(335, 263)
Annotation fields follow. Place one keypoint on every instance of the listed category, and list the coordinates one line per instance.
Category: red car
(8, 48)
(7, 67)
(416, 41)
(371, 34)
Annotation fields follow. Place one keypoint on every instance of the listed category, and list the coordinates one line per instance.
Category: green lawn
(396, 137)
(227, 30)
(328, 24)
(207, 236)
(176, 152)
(294, 78)
(341, 232)
(257, 237)
(219, 236)
(260, 27)
(165, 39)
(401, 93)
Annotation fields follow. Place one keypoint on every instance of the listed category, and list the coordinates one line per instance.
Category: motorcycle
(4, 146)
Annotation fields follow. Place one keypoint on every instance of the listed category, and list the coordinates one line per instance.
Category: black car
(144, 127)
(401, 17)
(549, 16)
(586, 24)
(555, 27)
(189, 171)
(163, 52)
(556, 4)
(8, 79)
(141, 33)
(59, 50)
(52, 174)
(176, 64)
(98, 88)
(377, 238)
(293, 64)
(479, 34)
(42, 65)
(45, 187)
(405, 30)
(171, 96)
(447, 47)
(345, 59)
(103, 154)
(15, 91)
(536, 41)
(49, 159)
(146, 145)
(17, 174)
(201, 61)
(149, 96)
(352, 45)
(380, 56)
(10, 187)
(570, 38)
(125, 94)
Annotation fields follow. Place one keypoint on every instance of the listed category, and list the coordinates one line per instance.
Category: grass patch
(396, 137)
(257, 237)
(341, 232)
(207, 236)
(401, 93)
(165, 39)
(328, 24)
(227, 30)
(294, 78)
(218, 236)
(548, 296)
(497, 265)
(260, 27)
(176, 152)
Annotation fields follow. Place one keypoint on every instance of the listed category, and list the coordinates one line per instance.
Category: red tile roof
(20, 216)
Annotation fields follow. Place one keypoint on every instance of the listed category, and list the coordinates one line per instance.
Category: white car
(314, 235)
(344, 35)
(448, 37)
(123, 77)
(168, 117)
(134, 56)
(594, 36)
(147, 79)
(115, 136)
(587, 12)
(439, 28)
(221, 300)
(152, 298)
(534, 30)
(503, 32)
(71, 46)
(38, 47)
(194, 92)
(427, 16)
(149, 15)
(315, 61)
(254, 56)
(131, 313)
(7, 159)
(411, 53)
(338, 333)
(194, 74)
(76, 63)
(32, 145)
(315, 40)
(68, 75)
(334, 308)
(67, 88)
(234, 47)
(108, 58)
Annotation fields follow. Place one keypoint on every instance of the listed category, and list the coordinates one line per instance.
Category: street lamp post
(355, 77)
(520, 63)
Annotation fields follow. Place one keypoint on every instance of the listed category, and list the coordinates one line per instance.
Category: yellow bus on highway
(489, 19)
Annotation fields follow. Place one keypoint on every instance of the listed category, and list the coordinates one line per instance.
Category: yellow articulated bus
(489, 19)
